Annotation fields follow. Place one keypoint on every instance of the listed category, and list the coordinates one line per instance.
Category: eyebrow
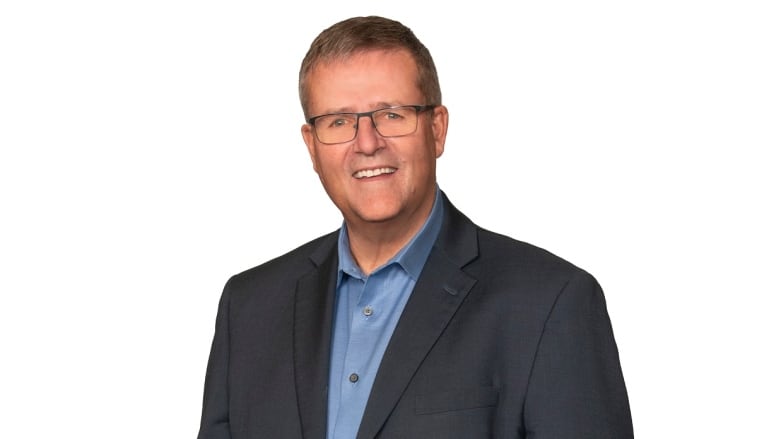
(376, 106)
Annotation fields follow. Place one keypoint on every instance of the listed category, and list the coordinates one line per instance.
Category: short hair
(361, 34)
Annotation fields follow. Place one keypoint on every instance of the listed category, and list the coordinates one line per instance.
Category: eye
(335, 121)
(392, 115)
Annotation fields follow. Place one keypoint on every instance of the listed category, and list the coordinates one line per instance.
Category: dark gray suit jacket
(499, 339)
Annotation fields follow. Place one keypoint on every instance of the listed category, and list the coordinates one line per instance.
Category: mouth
(368, 173)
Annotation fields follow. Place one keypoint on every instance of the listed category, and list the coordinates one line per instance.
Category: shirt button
(367, 311)
(353, 378)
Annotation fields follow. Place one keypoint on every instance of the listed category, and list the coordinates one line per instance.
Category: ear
(307, 131)
(440, 119)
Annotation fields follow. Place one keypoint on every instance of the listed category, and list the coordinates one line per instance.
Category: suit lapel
(441, 289)
(314, 298)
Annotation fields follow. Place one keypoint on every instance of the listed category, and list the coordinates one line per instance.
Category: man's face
(399, 187)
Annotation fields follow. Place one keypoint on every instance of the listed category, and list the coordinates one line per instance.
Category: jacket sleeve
(215, 419)
(576, 388)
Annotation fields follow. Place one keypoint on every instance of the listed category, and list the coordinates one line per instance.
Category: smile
(365, 173)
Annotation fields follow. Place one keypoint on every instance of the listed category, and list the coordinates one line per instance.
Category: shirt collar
(411, 257)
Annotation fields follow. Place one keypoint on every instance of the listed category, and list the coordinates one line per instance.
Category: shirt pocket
(453, 400)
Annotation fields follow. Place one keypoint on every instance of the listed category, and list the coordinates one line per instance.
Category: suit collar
(314, 302)
(458, 236)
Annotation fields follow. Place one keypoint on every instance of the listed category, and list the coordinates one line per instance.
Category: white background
(151, 149)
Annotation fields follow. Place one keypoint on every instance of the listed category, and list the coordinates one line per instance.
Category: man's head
(382, 171)
(361, 34)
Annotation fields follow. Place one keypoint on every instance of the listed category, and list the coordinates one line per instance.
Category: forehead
(364, 80)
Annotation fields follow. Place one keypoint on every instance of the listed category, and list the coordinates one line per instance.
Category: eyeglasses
(388, 122)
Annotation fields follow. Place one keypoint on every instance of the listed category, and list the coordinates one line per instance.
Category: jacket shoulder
(505, 254)
(290, 265)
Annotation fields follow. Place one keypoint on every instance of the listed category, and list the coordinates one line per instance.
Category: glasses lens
(336, 128)
(398, 121)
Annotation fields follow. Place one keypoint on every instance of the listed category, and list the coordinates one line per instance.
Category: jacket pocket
(461, 399)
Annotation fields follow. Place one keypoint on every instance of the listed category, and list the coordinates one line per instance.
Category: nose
(367, 139)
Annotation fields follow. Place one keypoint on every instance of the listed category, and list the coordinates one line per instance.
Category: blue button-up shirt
(367, 310)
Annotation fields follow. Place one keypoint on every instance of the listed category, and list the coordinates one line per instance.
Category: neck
(373, 243)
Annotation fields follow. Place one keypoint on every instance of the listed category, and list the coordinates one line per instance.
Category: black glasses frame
(370, 114)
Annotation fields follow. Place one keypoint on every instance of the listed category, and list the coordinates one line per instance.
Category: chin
(377, 212)
(376, 217)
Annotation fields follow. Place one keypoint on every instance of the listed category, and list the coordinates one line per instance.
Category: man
(410, 321)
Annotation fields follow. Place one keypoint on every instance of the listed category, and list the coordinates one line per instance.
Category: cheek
(421, 166)
(327, 166)
(426, 158)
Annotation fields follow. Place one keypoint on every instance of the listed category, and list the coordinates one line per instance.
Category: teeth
(373, 172)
